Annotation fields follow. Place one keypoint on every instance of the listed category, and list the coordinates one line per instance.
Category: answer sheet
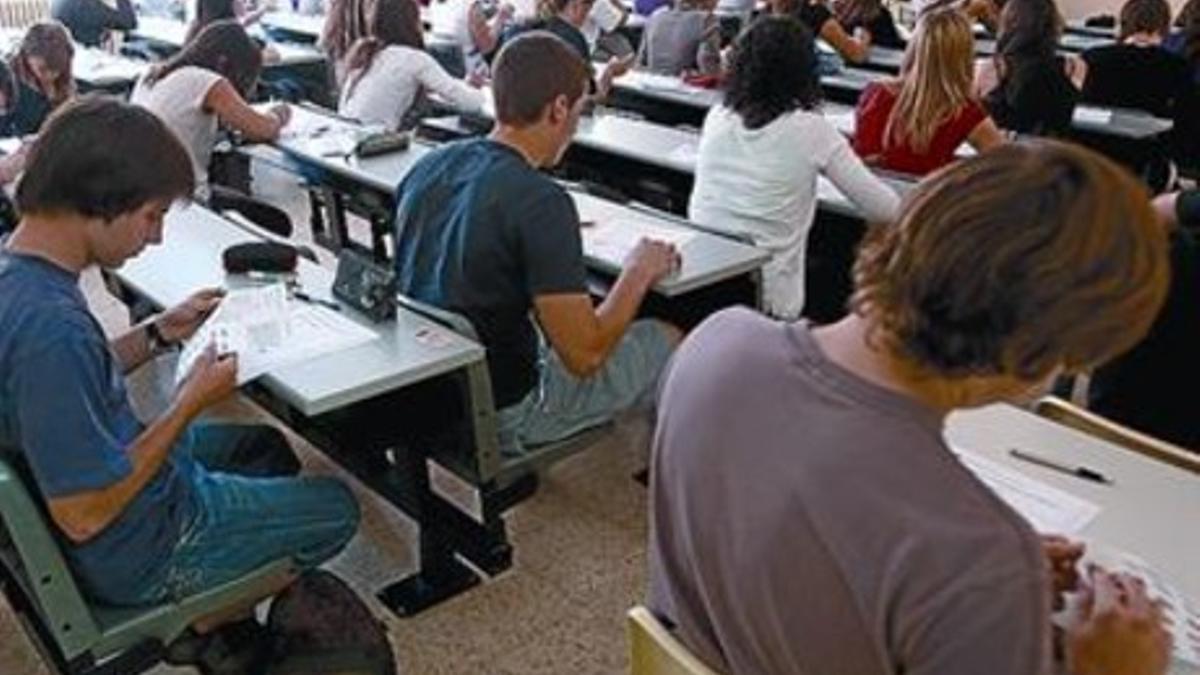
(614, 240)
(1048, 509)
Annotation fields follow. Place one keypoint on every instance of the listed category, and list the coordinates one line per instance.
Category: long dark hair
(345, 23)
(391, 22)
(773, 71)
(209, 11)
(222, 47)
(1028, 35)
(51, 42)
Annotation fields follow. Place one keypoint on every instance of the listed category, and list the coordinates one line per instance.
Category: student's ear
(560, 110)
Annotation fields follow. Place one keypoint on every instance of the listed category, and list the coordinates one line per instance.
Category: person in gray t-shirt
(806, 514)
(684, 37)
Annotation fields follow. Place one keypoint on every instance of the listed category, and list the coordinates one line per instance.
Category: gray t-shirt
(678, 40)
(805, 521)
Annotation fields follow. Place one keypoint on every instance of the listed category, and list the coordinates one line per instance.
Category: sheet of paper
(613, 240)
(267, 330)
(1048, 509)
(654, 81)
(1092, 115)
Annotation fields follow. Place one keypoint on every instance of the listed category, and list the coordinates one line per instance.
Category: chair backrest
(654, 651)
(23, 13)
(36, 562)
(1068, 414)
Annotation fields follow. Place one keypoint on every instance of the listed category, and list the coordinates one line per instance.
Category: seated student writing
(873, 18)
(42, 66)
(91, 21)
(565, 19)
(1137, 72)
(148, 513)
(764, 147)
(1026, 86)
(915, 123)
(467, 24)
(682, 38)
(345, 25)
(202, 88)
(385, 72)
(854, 46)
(806, 514)
(211, 11)
(480, 231)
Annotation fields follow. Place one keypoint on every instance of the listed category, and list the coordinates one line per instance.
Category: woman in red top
(916, 123)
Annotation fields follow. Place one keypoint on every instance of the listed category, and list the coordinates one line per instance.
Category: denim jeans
(251, 513)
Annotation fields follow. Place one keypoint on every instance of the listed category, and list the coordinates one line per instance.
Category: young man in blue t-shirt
(150, 512)
(481, 232)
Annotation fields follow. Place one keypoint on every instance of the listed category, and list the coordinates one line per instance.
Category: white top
(604, 17)
(451, 19)
(763, 183)
(178, 100)
(385, 93)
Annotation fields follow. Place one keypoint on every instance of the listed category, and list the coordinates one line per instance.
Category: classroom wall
(1078, 9)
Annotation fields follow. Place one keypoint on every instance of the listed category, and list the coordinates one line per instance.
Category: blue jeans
(563, 405)
(246, 521)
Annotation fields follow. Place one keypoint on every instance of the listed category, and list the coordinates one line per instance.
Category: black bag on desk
(319, 625)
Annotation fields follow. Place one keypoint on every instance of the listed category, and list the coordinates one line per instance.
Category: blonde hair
(935, 79)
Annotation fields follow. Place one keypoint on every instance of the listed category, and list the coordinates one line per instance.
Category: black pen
(305, 297)
(1077, 471)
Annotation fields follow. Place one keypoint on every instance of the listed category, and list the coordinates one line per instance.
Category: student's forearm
(133, 348)
(84, 515)
(620, 307)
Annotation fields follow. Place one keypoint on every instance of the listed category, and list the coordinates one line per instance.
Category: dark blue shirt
(90, 20)
(482, 233)
(26, 114)
(65, 411)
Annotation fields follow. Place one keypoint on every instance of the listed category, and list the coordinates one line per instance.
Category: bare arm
(854, 48)
(228, 105)
(132, 349)
(986, 135)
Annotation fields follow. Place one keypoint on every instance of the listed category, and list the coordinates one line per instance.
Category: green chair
(77, 636)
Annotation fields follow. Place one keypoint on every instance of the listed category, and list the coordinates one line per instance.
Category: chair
(1071, 415)
(81, 637)
(654, 651)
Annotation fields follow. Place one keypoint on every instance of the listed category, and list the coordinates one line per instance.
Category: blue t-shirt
(64, 409)
(482, 233)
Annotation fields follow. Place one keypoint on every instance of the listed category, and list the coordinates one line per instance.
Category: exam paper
(268, 330)
(1048, 509)
(614, 240)
(1092, 115)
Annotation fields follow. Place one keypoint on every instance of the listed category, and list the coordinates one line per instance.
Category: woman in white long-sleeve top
(763, 149)
(385, 72)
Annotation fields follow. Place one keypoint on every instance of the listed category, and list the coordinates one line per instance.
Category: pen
(305, 297)
(1077, 471)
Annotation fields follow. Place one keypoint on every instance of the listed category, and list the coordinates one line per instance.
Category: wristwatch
(158, 343)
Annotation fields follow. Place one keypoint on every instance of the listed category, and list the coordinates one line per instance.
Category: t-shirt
(804, 520)
(1142, 388)
(1128, 76)
(482, 233)
(385, 93)
(763, 183)
(27, 115)
(90, 20)
(871, 118)
(64, 409)
(1035, 97)
(678, 40)
(178, 100)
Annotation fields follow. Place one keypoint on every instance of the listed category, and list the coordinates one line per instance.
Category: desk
(361, 406)
(303, 27)
(169, 35)
(97, 69)
(1148, 511)
(1080, 27)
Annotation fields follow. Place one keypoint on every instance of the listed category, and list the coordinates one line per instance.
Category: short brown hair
(100, 158)
(1025, 258)
(530, 72)
(1145, 16)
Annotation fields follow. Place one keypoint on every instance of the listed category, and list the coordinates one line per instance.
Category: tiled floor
(579, 562)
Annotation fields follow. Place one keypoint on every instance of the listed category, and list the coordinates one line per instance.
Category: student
(806, 514)
(211, 11)
(12, 164)
(684, 37)
(1027, 87)
(762, 150)
(1141, 388)
(202, 88)
(480, 231)
(148, 513)
(345, 24)
(386, 71)
(42, 66)
(600, 29)
(466, 23)
(873, 18)
(1137, 72)
(854, 46)
(1185, 40)
(915, 123)
(565, 18)
(91, 21)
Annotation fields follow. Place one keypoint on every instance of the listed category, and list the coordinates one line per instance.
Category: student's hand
(476, 79)
(282, 112)
(652, 260)
(180, 322)
(1062, 557)
(619, 66)
(1116, 629)
(211, 379)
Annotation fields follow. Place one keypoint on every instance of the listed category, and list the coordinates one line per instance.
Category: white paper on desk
(267, 330)
(1088, 114)
(614, 240)
(1182, 617)
(1048, 509)
(654, 81)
